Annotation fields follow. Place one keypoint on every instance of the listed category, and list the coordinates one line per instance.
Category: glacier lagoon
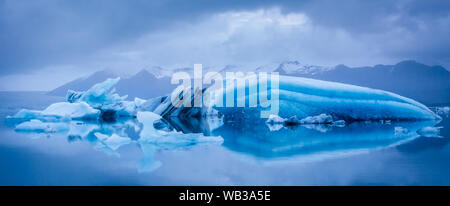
(149, 150)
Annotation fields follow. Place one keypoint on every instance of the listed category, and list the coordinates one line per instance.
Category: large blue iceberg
(308, 97)
(301, 98)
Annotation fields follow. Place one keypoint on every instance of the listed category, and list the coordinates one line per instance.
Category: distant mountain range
(143, 84)
(427, 84)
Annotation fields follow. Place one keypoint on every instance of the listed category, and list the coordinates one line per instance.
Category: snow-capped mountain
(145, 85)
(427, 84)
(158, 72)
(83, 83)
(297, 68)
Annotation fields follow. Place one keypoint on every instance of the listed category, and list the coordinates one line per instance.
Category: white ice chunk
(58, 112)
(443, 111)
(26, 114)
(401, 131)
(138, 102)
(430, 131)
(147, 118)
(321, 123)
(128, 108)
(102, 94)
(319, 119)
(72, 110)
(275, 119)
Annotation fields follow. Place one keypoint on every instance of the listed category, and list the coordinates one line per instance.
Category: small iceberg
(275, 119)
(430, 132)
(61, 111)
(401, 131)
(303, 98)
(319, 119)
(320, 122)
(443, 111)
(99, 103)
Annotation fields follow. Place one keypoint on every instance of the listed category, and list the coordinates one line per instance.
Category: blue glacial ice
(99, 95)
(303, 97)
(103, 97)
(301, 101)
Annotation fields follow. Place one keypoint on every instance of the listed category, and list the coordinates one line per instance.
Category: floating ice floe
(430, 131)
(98, 96)
(275, 119)
(320, 122)
(70, 110)
(319, 119)
(61, 111)
(103, 97)
(443, 111)
(401, 131)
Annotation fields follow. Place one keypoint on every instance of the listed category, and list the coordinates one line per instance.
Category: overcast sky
(45, 43)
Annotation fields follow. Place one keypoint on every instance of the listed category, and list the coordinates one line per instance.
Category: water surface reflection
(255, 141)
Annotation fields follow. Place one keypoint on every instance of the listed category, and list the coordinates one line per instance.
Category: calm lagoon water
(250, 154)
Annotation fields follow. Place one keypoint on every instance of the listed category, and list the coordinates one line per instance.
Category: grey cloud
(35, 34)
